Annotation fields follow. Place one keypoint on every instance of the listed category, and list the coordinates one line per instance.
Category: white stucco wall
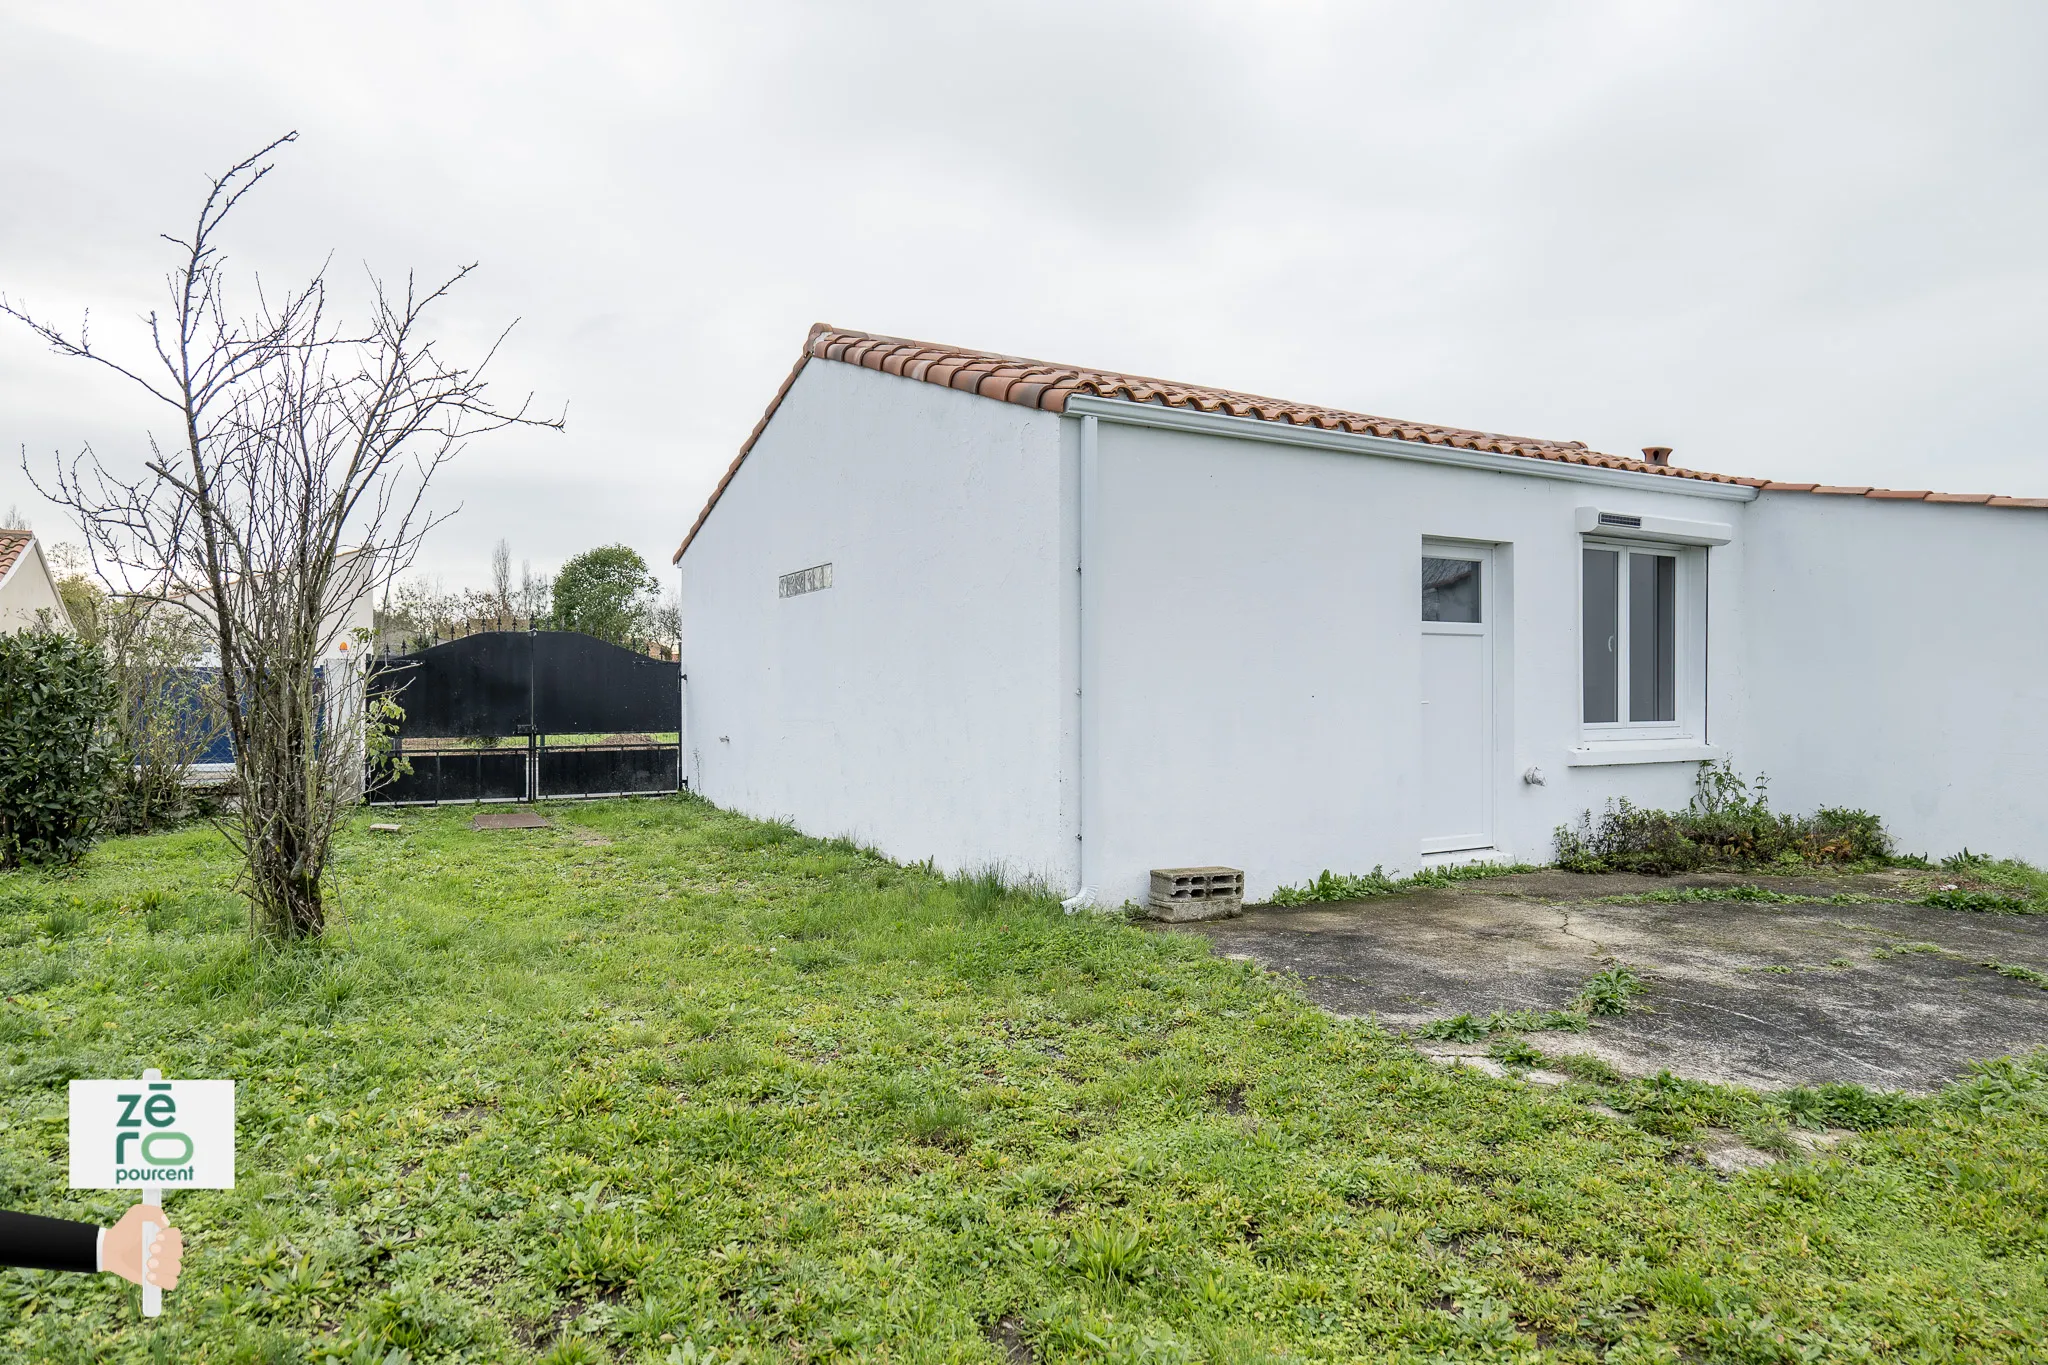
(916, 704)
(1254, 685)
(1236, 677)
(1898, 661)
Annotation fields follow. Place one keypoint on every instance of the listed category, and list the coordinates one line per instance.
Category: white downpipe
(1086, 650)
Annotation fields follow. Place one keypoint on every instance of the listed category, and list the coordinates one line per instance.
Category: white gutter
(1088, 652)
(1091, 409)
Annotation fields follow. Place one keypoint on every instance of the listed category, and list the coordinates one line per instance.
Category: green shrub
(55, 761)
(1728, 823)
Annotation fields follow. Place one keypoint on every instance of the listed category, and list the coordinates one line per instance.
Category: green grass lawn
(663, 1084)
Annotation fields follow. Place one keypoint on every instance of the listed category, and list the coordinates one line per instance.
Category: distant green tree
(607, 592)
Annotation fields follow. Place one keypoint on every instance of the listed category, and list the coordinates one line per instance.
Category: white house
(1080, 625)
(28, 592)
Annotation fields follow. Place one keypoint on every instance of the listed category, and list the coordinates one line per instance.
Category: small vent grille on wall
(804, 580)
(1617, 519)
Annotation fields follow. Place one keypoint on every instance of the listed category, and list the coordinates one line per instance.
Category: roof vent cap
(1657, 454)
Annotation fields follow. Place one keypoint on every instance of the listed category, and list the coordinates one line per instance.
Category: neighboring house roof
(1039, 384)
(27, 588)
(13, 544)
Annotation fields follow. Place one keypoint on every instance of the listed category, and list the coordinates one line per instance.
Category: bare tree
(15, 520)
(501, 576)
(295, 488)
(536, 592)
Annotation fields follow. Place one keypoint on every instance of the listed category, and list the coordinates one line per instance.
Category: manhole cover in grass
(508, 819)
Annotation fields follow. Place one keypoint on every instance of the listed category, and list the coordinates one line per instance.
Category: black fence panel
(475, 686)
(459, 775)
(513, 684)
(553, 682)
(602, 769)
(586, 686)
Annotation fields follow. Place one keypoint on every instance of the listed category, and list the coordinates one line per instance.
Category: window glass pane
(1600, 635)
(1450, 589)
(1652, 637)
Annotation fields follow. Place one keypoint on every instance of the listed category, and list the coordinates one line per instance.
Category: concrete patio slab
(1884, 994)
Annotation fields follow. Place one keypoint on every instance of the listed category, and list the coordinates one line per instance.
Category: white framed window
(1641, 626)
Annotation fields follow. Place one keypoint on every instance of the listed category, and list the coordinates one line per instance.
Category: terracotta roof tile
(12, 543)
(1038, 384)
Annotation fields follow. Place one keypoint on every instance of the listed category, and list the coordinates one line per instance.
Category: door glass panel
(1450, 589)
(1652, 637)
(1600, 635)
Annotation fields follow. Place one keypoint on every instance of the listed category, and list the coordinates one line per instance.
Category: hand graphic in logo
(121, 1252)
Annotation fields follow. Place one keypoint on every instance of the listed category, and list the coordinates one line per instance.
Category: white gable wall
(1898, 657)
(922, 703)
(28, 594)
(1256, 695)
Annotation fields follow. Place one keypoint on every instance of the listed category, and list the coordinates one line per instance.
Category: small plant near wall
(1728, 823)
(1330, 886)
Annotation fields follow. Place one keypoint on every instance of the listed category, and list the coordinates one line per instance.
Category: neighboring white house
(1080, 625)
(28, 594)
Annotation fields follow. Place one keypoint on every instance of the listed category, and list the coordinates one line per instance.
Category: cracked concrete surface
(1887, 995)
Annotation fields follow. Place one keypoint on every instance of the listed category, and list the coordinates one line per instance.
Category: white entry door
(1457, 698)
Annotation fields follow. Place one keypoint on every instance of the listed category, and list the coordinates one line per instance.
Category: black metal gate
(464, 700)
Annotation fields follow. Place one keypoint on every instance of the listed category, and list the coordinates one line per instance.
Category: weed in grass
(64, 920)
(1676, 1287)
(601, 1255)
(415, 1317)
(573, 1351)
(1744, 894)
(1610, 990)
(814, 957)
(1982, 902)
(1538, 1021)
(38, 973)
(1459, 1028)
(698, 1023)
(1107, 1253)
(810, 1220)
(1903, 949)
(1582, 1066)
(1516, 1052)
(1467, 1028)
(50, 1071)
(1842, 1105)
(1328, 886)
(158, 912)
(941, 1121)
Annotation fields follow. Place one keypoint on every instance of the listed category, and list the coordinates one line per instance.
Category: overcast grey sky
(1790, 240)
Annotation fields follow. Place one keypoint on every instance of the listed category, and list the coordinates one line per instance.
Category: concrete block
(1180, 894)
